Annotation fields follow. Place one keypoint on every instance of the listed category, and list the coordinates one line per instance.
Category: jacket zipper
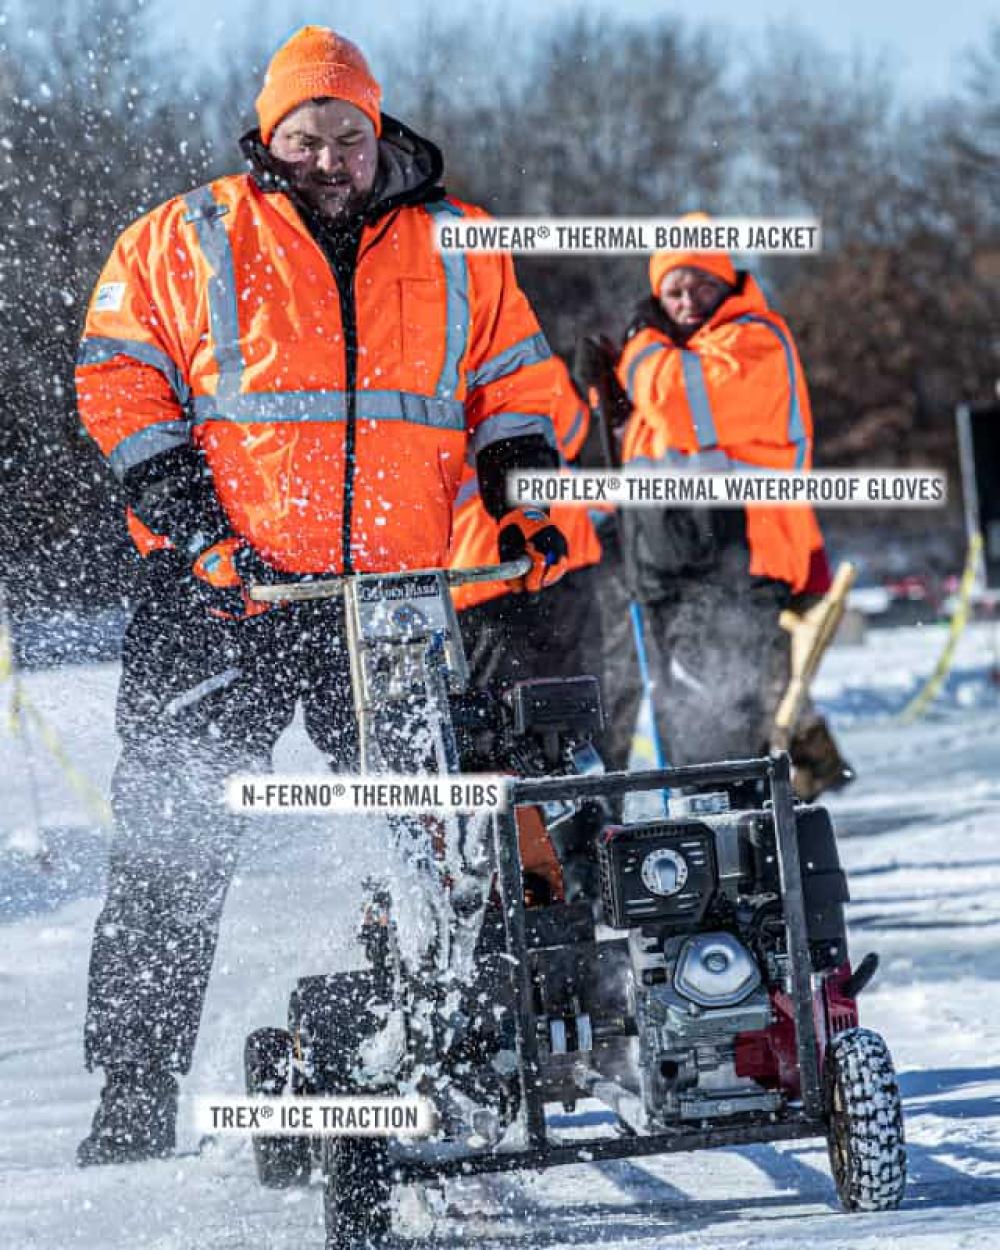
(349, 325)
(344, 275)
(343, 269)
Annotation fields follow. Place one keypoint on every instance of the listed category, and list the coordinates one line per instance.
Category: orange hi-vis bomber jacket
(734, 396)
(217, 322)
(474, 539)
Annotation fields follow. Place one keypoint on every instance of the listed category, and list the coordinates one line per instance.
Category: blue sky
(924, 40)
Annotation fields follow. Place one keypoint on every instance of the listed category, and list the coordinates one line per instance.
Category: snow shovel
(811, 634)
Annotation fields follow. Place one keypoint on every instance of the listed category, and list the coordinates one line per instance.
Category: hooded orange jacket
(734, 396)
(217, 321)
(474, 540)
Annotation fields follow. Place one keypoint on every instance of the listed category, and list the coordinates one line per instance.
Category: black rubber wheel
(281, 1161)
(333, 1015)
(864, 1122)
(358, 1191)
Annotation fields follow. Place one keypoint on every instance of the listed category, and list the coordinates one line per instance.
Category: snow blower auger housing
(689, 972)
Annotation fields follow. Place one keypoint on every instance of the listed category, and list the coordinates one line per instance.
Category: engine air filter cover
(656, 872)
(715, 970)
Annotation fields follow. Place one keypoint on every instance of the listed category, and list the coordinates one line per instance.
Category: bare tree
(957, 153)
(91, 140)
(627, 118)
(821, 136)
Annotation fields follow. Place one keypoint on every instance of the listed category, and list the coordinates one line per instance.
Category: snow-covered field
(921, 840)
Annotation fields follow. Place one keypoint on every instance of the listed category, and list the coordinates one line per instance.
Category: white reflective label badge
(109, 297)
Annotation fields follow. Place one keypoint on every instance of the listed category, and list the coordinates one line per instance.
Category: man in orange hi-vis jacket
(287, 377)
(715, 382)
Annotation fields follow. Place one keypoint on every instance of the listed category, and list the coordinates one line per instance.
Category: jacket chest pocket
(423, 333)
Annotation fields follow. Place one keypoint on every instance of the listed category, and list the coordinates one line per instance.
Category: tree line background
(897, 320)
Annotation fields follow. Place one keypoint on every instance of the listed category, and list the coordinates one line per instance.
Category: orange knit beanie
(717, 263)
(314, 63)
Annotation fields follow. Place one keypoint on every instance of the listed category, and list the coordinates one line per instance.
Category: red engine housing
(769, 1055)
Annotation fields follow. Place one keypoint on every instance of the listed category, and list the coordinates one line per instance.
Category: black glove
(222, 575)
(595, 359)
(173, 493)
(596, 366)
(510, 455)
(528, 531)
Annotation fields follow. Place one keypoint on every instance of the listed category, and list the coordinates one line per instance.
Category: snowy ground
(921, 840)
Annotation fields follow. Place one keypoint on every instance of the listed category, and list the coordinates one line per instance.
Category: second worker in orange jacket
(715, 382)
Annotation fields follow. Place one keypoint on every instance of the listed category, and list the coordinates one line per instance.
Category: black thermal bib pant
(717, 657)
(198, 700)
(718, 662)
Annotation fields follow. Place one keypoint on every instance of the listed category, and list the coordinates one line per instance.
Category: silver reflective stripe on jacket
(220, 681)
(581, 415)
(457, 317)
(275, 406)
(511, 425)
(467, 491)
(97, 349)
(796, 424)
(649, 350)
(144, 444)
(206, 214)
(530, 351)
(697, 397)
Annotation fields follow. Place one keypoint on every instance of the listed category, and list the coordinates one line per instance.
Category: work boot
(818, 766)
(135, 1120)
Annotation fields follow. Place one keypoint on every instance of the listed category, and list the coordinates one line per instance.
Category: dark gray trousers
(198, 700)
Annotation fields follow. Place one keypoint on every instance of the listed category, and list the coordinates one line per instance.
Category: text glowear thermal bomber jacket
(474, 537)
(328, 390)
(733, 396)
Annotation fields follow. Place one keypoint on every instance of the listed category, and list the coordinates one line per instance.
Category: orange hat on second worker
(315, 63)
(717, 263)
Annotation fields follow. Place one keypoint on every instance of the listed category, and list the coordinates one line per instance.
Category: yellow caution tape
(13, 716)
(93, 799)
(959, 619)
(6, 651)
(21, 707)
(98, 805)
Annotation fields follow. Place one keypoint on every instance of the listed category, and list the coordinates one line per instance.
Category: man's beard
(336, 200)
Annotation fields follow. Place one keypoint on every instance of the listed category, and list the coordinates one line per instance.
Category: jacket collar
(746, 298)
(409, 170)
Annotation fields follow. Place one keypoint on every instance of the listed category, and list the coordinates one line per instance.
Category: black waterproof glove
(596, 365)
(174, 495)
(529, 531)
(594, 359)
(510, 455)
(222, 575)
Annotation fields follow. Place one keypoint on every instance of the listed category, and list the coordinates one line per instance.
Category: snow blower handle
(329, 587)
(506, 571)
